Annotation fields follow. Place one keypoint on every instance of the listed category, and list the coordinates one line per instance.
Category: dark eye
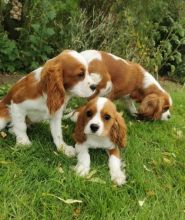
(165, 108)
(81, 75)
(89, 113)
(106, 117)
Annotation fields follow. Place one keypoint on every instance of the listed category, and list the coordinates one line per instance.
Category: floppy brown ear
(159, 109)
(79, 135)
(53, 83)
(118, 131)
(151, 107)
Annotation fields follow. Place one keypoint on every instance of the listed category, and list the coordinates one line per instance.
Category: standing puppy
(118, 78)
(43, 94)
(99, 125)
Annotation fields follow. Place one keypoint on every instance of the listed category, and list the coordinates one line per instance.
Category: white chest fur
(94, 141)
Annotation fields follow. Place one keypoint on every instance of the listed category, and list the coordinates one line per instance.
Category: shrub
(85, 32)
(152, 35)
(9, 54)
(36, 34)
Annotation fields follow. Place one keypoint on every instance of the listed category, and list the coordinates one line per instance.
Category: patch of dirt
(9, 79)
(170, 85)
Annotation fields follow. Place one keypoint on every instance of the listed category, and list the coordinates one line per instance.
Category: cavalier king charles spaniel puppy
(99, 125)
(43, 95)
(118, 78)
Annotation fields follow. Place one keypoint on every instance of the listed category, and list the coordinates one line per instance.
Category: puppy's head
(66, 72)
(155, 107)
(103, 83)
(75, 74)
(99, 117)
(98, 72)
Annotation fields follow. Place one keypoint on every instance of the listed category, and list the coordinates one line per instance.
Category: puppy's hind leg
(130, 106)
(19, 125)
(4, 115)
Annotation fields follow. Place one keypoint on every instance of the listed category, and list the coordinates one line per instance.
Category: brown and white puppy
(43, 94)
(99, 125)
(118, 78)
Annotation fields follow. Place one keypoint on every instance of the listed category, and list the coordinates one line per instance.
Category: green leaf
(178, 57)
(181, 32)
(11, 68)
(51, 14)
(50, 31)
(168, 46)
(36, 27)
(172, 68)
(33, 39)
(171, 58)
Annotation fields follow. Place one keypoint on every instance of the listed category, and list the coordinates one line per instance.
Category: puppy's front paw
(81, 170)
(24, 142)
(67, 150)
(119, 178)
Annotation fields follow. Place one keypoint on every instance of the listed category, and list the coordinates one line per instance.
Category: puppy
(43, 94)
(99, 125)
(121, 79)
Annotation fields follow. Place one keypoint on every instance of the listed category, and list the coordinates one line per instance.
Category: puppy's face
(155, 107)
(99, 117)
(103, 83)
(101, 77)
(99, 72)
(76, 77)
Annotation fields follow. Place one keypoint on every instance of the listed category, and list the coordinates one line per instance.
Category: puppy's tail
(4, 115)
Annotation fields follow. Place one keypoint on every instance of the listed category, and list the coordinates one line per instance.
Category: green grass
(155, 164)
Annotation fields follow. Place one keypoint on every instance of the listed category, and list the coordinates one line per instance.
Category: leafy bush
(152, 35)
(169, 37)
(9, 54)
(88, 32)
(37, 34)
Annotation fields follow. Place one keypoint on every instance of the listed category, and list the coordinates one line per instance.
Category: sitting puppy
(99, 125)
(44, 93)
(118, 78)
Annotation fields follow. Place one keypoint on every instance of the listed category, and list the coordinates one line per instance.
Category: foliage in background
(9, 53)
(153, 35)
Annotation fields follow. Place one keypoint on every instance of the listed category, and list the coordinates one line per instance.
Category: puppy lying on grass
(99, 125)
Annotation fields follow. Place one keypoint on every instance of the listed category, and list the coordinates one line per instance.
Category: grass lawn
(35, 183)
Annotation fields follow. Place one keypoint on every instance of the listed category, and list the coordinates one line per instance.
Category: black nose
(94, 127)
(93, 87)
(169, 116)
